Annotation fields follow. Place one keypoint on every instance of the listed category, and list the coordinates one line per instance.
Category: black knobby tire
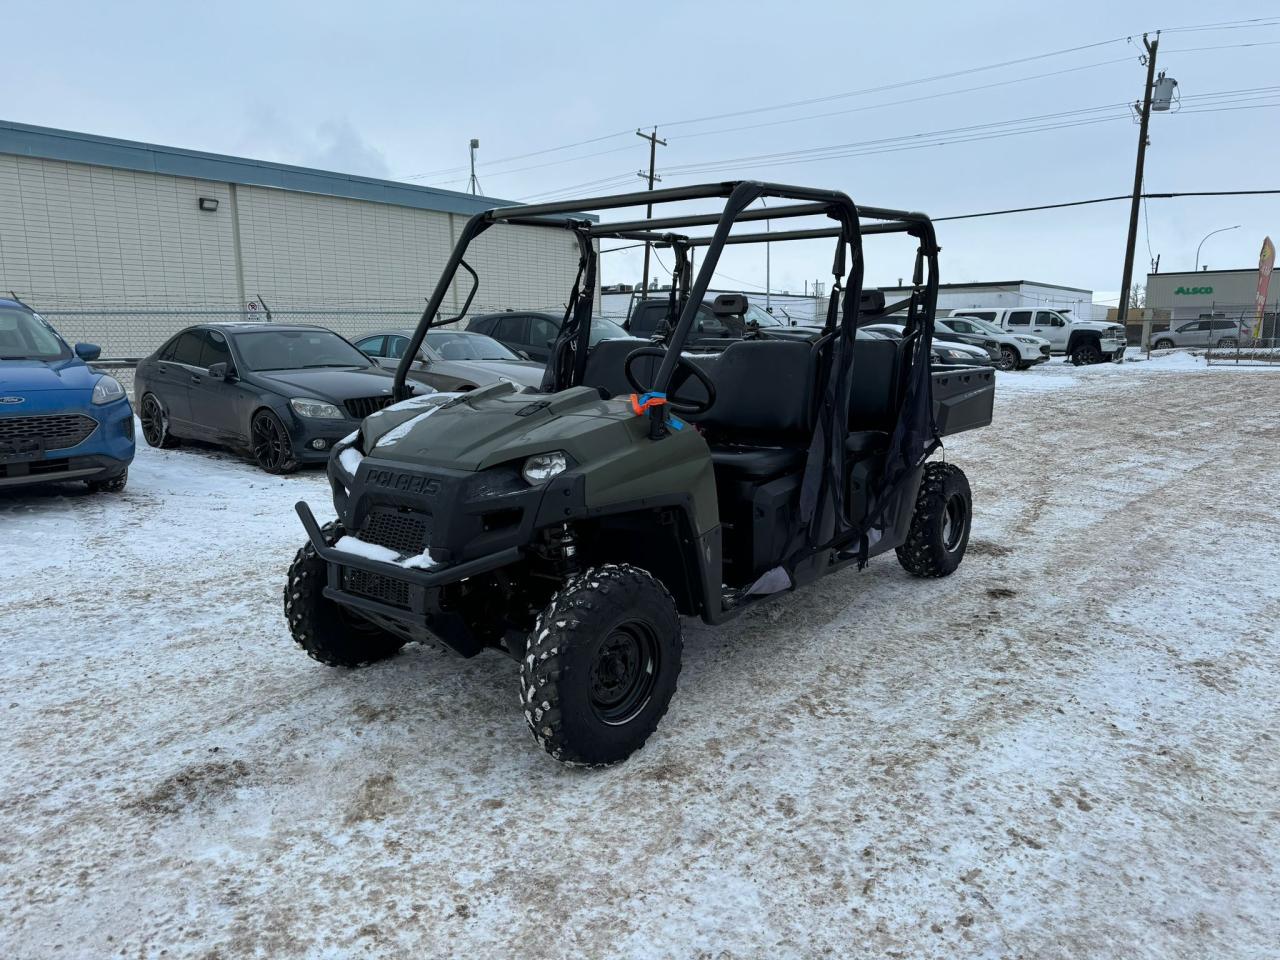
(272, 448)
(600, 667)
(940, 523)
(110, 485)
(155, 423)
(1009, 359)
(327, 631)
(1085, 354)
(1163, 345)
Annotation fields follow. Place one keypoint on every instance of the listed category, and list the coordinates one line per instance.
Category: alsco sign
(1192, 291)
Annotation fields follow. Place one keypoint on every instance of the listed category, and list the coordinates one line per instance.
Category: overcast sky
(397, 90)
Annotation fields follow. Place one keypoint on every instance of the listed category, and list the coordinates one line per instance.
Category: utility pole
(474, 186)
(651, 176)
(1152, 45)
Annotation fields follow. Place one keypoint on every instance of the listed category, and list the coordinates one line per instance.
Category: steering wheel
(683, 365)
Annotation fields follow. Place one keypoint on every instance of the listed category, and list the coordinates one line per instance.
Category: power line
(1253, 23)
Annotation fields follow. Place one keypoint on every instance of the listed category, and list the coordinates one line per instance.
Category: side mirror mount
(88, 352)
(221, 371)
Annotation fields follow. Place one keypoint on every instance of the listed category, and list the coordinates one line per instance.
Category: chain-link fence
(1237, 334)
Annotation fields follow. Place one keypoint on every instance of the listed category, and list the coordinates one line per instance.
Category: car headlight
(1030, 340)
(107, 389)
(952, 355)
(541, 467)
(318, 409)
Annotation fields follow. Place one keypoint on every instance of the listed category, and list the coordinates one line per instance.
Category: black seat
(874, 391)
(764, 393)
(735, 462)
(606, 365)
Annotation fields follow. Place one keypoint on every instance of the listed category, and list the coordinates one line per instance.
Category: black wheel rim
(624, 671)
(955, 521)
(1008, 359)
(269, 442)
(152, 422)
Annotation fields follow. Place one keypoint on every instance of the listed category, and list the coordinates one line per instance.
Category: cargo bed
(963, 398)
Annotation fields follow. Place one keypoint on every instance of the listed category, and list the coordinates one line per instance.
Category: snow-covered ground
(1070, 748)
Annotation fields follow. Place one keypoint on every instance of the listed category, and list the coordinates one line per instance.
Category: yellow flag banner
(1266, 260)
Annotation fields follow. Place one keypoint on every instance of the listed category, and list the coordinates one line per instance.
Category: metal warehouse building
(121, 243)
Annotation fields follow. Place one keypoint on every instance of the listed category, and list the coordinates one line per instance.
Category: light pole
(1206, 237)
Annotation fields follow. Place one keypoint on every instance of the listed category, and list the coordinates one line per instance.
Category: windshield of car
(761, 316)
(456, 345)
(26, 336)
(603, 328)
(297, 350)
(986, 326)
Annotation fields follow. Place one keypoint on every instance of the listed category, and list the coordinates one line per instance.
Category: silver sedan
(453, 360)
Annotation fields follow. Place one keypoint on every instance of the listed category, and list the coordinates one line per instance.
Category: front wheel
(601, 664)
(1086, 353)
(271, 446)
(1009, 359)
(155, 424)
(1163, 345)
(327, 631)
(939, 532)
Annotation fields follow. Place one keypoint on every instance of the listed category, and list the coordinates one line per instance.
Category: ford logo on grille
(11, 399)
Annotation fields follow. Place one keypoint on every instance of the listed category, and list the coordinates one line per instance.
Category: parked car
(707, 325)
(532, 333)
(285, 393)
(1082, 341)
(1201, 333)
(453, 359)
(59, 418)
(1018, 351)
(947, 334)
(944, 353)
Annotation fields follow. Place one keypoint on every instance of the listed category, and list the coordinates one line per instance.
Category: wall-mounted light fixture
(209, 204)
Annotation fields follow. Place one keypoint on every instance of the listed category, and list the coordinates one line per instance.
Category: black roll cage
(569, 215)
(915, 435)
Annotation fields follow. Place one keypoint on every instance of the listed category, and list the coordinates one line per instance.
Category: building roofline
(1201, 273)
(991, 284)
(46, 143)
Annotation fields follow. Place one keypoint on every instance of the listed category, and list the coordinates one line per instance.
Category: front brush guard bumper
(423, 611)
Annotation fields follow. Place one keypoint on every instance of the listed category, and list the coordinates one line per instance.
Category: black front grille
(59, 431)
(397, 530)
(361, 407)
(377, 587)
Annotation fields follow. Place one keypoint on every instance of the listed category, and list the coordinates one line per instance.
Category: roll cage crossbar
(739, 195)
(821, 505)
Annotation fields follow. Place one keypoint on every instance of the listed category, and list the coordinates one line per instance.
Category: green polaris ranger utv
(572, 527)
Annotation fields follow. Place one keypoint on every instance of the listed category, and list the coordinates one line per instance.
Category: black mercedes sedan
(284, 393)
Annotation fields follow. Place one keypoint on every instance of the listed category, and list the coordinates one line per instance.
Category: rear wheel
(155, 423)
(271, 446)
(328, 631)
(1009, 359)
(1163, 345)
(1086, 353)
(940, 524)
(1228, 343)
(601, 664)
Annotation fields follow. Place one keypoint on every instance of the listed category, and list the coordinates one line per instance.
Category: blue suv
(59, 419)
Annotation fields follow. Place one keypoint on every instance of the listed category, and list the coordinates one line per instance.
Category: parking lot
(1069, 748)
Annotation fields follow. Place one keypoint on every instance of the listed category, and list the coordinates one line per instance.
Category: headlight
(541, 467)
(319, 409)
(952, 355)
(107, 389)
(1031, 340)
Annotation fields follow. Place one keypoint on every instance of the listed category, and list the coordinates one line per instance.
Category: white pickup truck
(1082, 341)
